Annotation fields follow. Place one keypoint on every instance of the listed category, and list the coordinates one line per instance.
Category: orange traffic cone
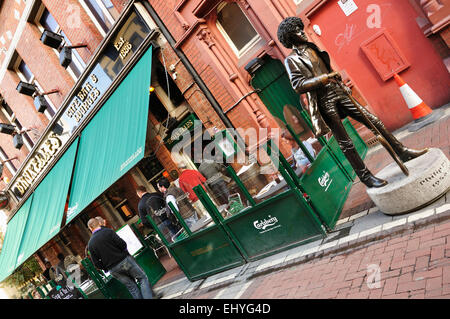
(420, 111)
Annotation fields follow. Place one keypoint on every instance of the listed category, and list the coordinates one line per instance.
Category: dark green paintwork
(294, 224)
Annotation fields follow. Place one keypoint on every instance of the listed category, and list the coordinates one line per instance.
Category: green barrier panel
(111, 288)
(150, 264)
(204, 253)
(279, 223)
(327, 186)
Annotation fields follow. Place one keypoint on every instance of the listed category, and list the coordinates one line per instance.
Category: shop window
(48, 22)
(25, 74)
(236, 28)
(12, 169)
(102, 13)
(117, 197)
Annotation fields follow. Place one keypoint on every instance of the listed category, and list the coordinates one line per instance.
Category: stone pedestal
(428, 180)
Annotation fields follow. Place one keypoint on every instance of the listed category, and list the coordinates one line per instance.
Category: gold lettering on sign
(38, 162)
(84, 100)
(123, 47)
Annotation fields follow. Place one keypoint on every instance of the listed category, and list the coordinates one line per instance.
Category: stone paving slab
(371, 227)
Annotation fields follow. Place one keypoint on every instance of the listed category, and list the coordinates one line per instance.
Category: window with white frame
(45, 21)
(102, 12)
(25, 74)
(9, 165)
(236, 28)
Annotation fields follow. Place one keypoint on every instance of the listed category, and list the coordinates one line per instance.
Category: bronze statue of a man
(310, 72)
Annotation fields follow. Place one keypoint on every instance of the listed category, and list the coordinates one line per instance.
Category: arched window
(236, 28)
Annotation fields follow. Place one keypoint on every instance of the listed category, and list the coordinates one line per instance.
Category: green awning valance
(13, 237)
(47, 209)
(114, 140)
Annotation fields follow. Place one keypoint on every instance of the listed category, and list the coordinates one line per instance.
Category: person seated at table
(300, 159)
(179, 199)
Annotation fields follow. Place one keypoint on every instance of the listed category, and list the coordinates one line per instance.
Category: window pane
(23, 68)
(48, 22)
(109, 6)
(236, 25)
(76, 68)
(8, 109)
(25, 135)
(99, 14)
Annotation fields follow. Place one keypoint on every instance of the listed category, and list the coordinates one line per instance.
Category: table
(276, 187)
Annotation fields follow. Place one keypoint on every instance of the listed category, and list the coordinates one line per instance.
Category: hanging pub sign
(186, 125)
(115, 55)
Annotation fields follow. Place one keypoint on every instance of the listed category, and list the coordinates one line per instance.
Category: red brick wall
(68, 13)
(43, 63)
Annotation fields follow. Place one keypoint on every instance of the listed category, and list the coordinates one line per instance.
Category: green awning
(13, 237)
(47, 209)
(114, 140)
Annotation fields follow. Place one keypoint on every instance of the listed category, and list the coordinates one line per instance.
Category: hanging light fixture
(30, 89)
(56, 40)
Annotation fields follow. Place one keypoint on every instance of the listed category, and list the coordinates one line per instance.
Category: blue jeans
(191, 220)
(127, 272)
(167, 224)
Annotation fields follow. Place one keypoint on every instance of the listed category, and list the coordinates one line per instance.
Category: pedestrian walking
(109, 252)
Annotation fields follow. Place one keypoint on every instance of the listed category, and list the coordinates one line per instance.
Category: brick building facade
(202, 30)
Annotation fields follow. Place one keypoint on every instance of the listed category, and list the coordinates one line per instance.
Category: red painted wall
(342, 37)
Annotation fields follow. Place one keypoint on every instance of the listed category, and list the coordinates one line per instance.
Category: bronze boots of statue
(310, 72)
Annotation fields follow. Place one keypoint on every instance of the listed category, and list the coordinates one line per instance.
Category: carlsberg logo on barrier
(263, 224)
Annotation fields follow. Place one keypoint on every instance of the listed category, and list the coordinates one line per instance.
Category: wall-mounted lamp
(7, 128)
(39, 101)
(26, 88)
(55, 40)
(11, 129)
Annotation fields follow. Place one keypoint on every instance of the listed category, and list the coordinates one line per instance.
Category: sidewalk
(407, 256)
(433, 135)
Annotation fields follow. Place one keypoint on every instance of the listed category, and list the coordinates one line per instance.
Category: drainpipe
(205, 90)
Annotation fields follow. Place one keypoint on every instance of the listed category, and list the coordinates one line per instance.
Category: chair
(181, 234)
(234, 204)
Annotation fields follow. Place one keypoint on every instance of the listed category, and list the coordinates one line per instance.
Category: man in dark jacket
(310, 72)
(153, 204)
(109, 252)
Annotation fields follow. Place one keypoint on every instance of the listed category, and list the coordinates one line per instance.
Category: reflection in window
(236, 28)
(104, 13)
(49, 23)
(127, 40)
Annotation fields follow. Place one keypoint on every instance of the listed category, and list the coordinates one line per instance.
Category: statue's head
(290, 32)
